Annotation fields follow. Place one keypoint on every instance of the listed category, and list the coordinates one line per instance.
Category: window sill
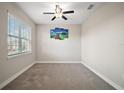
(17, 55)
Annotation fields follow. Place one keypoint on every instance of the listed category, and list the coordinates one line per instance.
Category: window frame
(19, 37)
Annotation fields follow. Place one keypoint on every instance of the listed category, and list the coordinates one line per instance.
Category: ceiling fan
(59, 13)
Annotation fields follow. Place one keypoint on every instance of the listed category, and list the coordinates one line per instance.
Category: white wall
(103, 42)
(58, 50)
(10, 66)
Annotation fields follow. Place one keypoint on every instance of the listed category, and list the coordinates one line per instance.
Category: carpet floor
(62, 76)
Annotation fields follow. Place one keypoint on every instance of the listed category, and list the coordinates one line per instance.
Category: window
(19, 36)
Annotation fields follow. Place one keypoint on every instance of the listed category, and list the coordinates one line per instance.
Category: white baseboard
(3, 84)
(116, 86)
(57, 61)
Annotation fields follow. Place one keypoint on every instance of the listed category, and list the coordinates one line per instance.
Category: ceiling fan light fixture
(58, 15)
(58, 11)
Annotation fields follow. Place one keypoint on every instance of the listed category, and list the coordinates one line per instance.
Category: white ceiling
(35, 11)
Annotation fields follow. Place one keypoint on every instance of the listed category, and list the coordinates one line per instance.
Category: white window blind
(19, 36)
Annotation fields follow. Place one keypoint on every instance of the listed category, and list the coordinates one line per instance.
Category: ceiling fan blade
(64, 17)
(48, 13)
(53, 18)
(68, 12)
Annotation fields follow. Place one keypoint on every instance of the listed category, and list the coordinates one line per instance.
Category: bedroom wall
(10, 66)
(58, 50)
(103, 42)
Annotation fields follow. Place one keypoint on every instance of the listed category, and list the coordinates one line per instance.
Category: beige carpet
(46, 76)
